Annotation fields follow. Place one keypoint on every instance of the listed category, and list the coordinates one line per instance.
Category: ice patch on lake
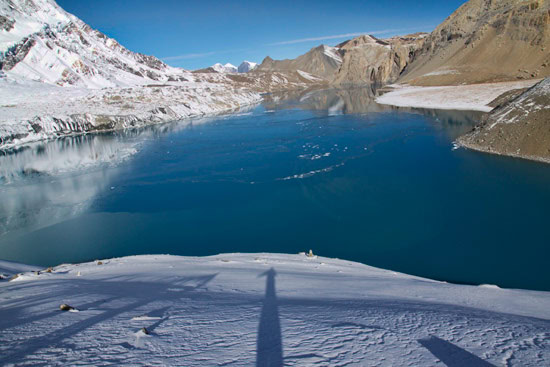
(310, 173)
(314, 157)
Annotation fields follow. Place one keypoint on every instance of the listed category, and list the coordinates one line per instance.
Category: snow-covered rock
(227, 68)
(246, 66)
(246, 309)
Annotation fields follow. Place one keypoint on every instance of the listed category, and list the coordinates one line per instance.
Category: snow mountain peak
(42, 42)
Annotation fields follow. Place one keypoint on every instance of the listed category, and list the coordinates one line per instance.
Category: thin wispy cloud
(188, 56)
(204, 54)
(288, 42)
(335, 36)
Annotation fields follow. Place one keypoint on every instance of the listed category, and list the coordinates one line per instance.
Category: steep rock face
(322, 62)
(486, 41)
(367, 59)
(40, 41)
(519, 127)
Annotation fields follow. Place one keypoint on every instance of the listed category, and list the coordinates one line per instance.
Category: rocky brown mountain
(362, 60)
(368, 60)
(486, 41)
(322, 62)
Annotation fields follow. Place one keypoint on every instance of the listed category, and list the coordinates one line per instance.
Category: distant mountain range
(227, 68)
(244, 67)
(362, 60)
(482, 41)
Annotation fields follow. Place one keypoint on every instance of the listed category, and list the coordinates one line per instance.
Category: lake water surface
(330, 171)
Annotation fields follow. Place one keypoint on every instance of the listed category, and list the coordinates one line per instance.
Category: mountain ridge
(45, 43)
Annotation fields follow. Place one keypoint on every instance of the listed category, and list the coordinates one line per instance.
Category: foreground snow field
(269, 309)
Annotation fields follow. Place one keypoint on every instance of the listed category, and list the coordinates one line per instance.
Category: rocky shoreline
(115, 110)
(519, 127)
(460, 142)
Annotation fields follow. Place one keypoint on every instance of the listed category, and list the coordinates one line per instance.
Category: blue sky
(195, 34)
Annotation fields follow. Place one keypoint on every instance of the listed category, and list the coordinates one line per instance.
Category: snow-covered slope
(40, 41)
(268, 309)
(246, 66)
(33, 111)
(227, 68)
(58, 76)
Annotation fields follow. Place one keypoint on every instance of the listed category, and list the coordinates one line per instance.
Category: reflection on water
(362, 100)
(48, 182)
(328, 101)
(62, 156)
(34, 205)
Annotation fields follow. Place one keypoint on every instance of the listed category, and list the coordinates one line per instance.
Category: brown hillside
(486, 41)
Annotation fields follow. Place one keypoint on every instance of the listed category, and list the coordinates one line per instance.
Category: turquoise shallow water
(333, 172)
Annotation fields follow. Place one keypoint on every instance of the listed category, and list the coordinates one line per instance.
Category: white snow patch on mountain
(332, 52)
(308, 76)
(246, 309)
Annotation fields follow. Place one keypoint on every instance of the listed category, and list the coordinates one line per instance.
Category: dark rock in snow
(65, 307)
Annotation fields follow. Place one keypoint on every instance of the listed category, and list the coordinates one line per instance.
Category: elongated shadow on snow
(138, 295)
(269, 344)
(452, 355)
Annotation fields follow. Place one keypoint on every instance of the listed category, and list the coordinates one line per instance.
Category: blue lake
(330, 171)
